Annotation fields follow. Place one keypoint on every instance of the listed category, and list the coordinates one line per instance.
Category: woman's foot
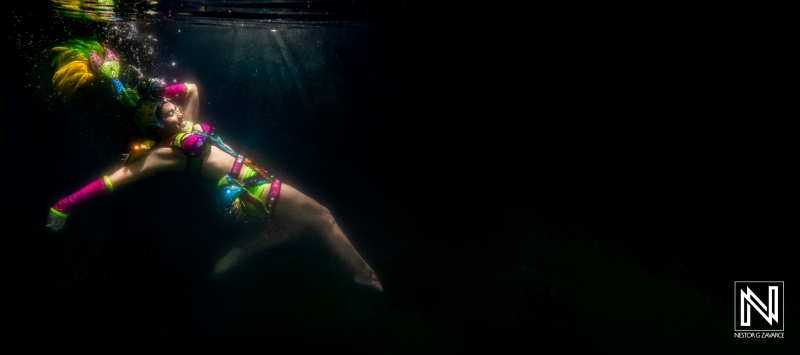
(228, 261)
(369, 279)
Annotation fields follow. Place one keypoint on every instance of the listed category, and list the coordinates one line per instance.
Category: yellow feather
(71, 77)
(85, 78)
(72, 80)
(60, 89)
(72, 68)
(72, 84)
(62, 84)
(58, 78)
(63, 52)
(71, 56)
(77, 67)
(65, 72)
(62, 73)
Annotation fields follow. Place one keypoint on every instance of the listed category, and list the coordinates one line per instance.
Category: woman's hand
(55, 222)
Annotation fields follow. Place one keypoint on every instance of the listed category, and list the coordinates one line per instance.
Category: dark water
(513, 185)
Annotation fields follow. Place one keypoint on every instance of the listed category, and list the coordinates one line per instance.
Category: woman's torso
(217, 164)
(214, 164)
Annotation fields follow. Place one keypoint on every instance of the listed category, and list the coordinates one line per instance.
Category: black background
(568, 177)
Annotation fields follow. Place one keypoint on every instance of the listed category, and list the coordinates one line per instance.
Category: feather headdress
(73, 69)
(80, 62)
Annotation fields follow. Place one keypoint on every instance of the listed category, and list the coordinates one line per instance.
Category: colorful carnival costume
(238, 193)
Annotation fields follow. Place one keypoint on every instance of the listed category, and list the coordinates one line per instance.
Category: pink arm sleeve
(89, 192)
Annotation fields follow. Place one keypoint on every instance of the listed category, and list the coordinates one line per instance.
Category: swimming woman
(177, 142)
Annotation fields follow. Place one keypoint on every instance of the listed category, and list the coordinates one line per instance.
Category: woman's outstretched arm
(160, 160)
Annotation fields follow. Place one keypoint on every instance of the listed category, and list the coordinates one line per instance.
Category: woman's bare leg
(295, 212)
(272, 235)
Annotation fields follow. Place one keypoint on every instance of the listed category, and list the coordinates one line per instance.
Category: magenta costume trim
(274, 193)
(207, 129)
(237, 166)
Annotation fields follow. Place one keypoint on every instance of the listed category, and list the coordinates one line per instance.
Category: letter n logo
(750, 296)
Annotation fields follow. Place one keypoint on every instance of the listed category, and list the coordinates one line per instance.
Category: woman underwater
(168, 116)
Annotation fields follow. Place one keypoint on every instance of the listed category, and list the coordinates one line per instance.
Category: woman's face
(172, 118)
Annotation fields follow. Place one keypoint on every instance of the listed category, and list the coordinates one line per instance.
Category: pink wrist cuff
(177, 91)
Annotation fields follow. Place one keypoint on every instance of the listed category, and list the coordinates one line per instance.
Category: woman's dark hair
(135, 134)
